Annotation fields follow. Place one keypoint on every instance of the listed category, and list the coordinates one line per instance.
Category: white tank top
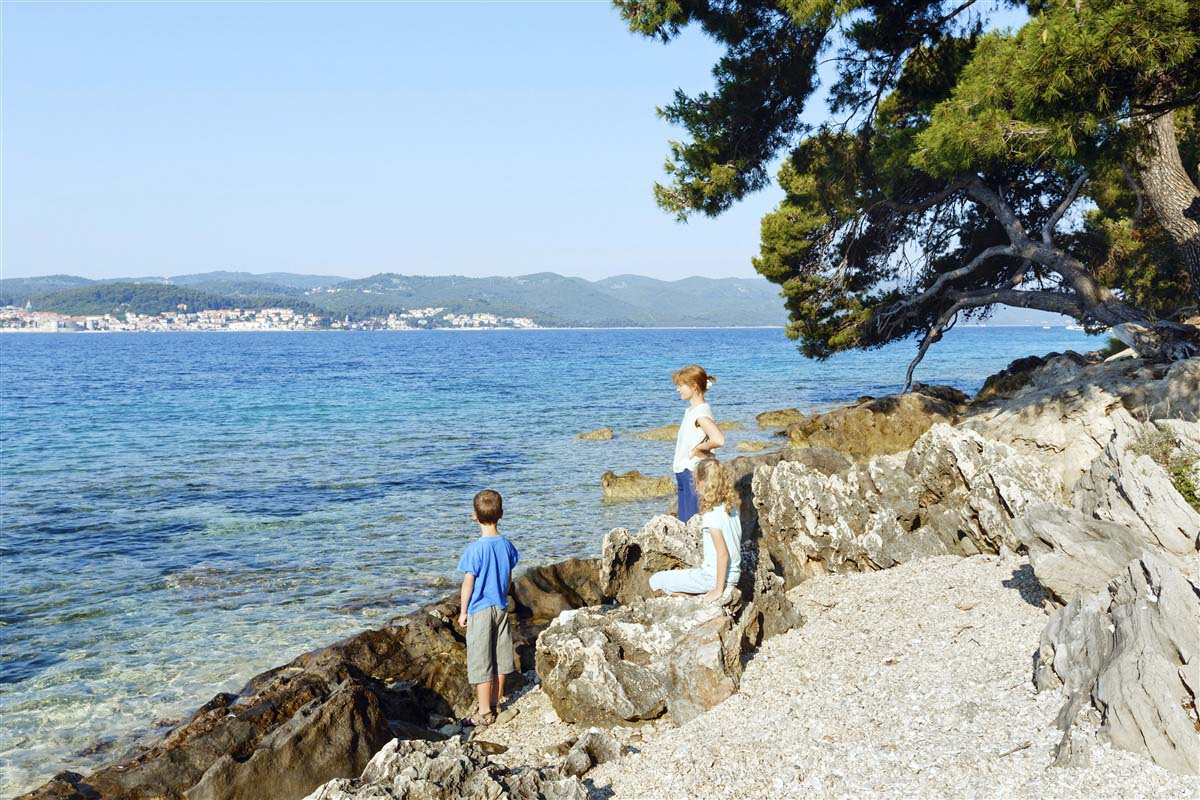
(690, 434)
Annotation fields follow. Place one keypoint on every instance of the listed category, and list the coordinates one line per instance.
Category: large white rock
(954, 492)
(1131, 654)
(628, 560)
(1123, 487)
(635, 663)
(1068, 413)
(448, 770)
(1073, 554)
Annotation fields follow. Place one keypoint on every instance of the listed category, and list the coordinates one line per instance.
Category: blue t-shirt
(490, 559)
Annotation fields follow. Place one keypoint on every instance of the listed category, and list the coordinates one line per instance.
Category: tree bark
(1171, 192)
(1166, 341)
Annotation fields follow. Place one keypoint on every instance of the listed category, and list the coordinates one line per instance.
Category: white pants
(684, 581)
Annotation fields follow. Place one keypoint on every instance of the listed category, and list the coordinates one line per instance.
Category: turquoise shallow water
(182, 511)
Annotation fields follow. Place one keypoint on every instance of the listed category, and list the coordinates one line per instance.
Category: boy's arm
(464, 598)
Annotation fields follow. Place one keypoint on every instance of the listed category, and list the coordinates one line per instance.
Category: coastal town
(27, 320)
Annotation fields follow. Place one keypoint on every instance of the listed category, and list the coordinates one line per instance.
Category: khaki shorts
(489, 645)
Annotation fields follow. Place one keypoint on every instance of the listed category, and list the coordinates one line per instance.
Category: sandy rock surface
(910, 682)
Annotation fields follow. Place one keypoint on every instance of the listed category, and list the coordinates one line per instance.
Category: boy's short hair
(489, 507)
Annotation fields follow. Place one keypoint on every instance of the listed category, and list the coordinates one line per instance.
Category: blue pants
(689, 503)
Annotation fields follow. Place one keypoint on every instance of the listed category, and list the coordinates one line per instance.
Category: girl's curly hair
(714, 484)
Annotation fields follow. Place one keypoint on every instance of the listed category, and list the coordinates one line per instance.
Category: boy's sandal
(478, 720)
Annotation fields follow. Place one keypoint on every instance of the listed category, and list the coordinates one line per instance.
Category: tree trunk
(1158, 341)
(1172, 193)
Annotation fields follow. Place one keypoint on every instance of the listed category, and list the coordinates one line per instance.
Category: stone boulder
(448, 770)
(590, 750)
(1130, 655)
(1068, 412)
(1132, 490)
(756, 445)
(1073, 554)
(334, 738)
(598, 435)
(237, 726)
(635, 663)
(542, 593)
(954, 397)
(1030, 373)
(876, 427)
(634, 485)
(779, 419)
(954, 492)
(627, 561)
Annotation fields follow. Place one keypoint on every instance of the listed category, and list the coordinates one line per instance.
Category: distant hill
(290, 280)
(16, 291)
(151, 298)
(546, 297)
(628, 300)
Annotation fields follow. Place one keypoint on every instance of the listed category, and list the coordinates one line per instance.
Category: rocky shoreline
(1072, 473)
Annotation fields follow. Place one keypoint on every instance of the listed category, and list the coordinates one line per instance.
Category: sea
(181, 511)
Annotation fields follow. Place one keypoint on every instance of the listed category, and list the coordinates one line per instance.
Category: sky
(347, 139)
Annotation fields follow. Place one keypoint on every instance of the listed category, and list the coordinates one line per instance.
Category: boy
(483, 606)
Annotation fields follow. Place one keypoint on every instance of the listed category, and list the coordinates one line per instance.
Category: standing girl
(698, 434)
(722, 538)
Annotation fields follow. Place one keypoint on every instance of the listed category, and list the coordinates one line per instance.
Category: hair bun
(711, 380)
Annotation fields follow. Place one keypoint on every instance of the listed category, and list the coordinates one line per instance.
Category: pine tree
(961, 169)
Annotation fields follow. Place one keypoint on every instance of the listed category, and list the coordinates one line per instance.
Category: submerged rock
(634, 485)
(667, 433)
(448, 770)
(598, 435)
(875, 427)
(1131, 654)
(755, 445)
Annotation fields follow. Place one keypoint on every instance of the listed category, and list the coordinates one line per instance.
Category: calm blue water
(182, 511)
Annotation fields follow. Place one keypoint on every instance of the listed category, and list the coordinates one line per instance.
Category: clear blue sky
(348, 139)
(431, 138)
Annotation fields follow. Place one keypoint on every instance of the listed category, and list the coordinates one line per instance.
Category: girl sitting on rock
(698, 435)
(722, 538)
